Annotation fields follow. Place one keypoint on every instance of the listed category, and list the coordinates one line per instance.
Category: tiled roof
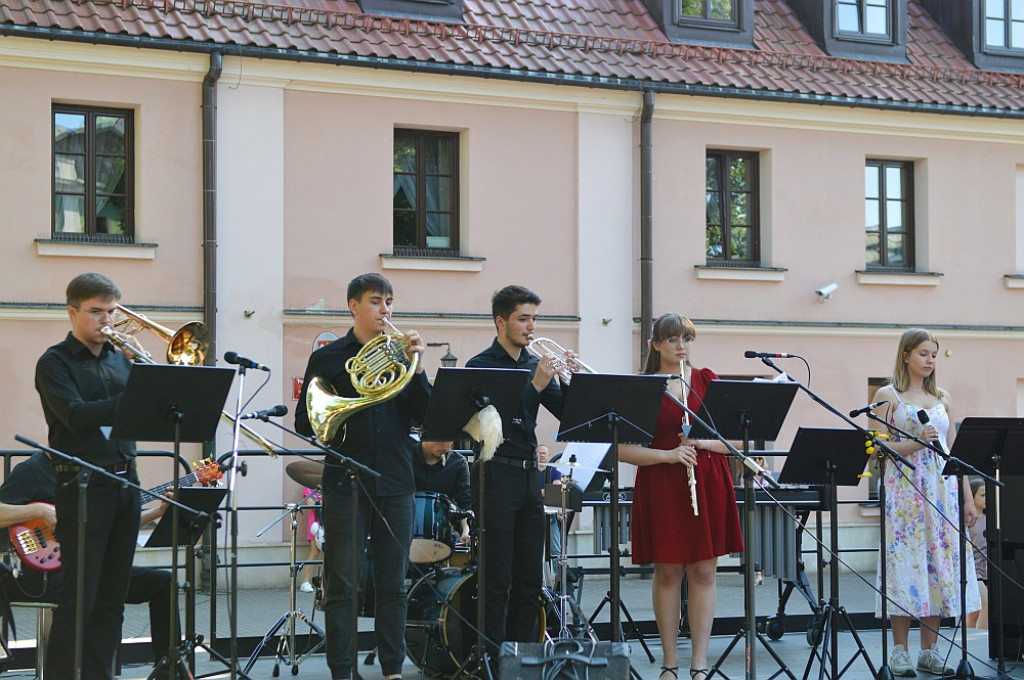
(600, 41)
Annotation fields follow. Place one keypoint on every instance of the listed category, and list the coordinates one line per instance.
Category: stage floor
(260, 609)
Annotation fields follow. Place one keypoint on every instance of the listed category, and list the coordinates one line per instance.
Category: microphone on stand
(279, 410)
(244, 362)
(750, 354)
(864, 409)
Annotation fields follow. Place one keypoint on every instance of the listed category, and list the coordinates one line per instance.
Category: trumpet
(545, 347)
(185, 347)
(379, 371)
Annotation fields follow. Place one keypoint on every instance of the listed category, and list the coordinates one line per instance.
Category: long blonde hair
(666, 326)
(900, 377)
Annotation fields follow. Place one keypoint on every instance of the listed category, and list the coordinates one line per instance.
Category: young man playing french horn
(377, 436)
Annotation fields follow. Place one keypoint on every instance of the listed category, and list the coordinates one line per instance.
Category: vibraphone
(780, 518)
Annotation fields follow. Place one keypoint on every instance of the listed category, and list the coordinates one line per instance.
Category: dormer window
(720, 11)
(990, 32)
(1004, 24)
(867, 18)
(857, 29)
(728, 23)
(432, 10)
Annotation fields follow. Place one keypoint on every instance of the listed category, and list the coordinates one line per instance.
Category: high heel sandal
(694, 672)
(674, 670)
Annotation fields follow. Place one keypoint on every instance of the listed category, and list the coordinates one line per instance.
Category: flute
(691, 474)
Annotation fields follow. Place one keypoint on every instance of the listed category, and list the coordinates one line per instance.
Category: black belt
(117, 469)
(516, 462)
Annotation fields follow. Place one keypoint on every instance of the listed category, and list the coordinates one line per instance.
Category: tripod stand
(730, 405)
(203, 503)
(581, 628)
(458, 394)
(831, 458)
(983, 445)
(286, 650)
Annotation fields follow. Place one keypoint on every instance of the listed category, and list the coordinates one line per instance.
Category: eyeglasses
(98, 314)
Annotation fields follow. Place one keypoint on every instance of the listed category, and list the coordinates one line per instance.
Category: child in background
(979, 619)
(314, 534)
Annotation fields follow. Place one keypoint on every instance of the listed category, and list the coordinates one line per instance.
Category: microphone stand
(961, 467)
(749, 629)
(87, 469)
(233, 512)
(884, 672)
(353, 468)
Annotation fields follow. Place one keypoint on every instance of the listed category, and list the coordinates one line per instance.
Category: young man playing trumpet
(514, 511)
(376, 436)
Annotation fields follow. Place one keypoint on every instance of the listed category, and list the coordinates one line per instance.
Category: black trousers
(390, 533)
(513, 552)
(110, 534)
(153, 587)
(145, 585)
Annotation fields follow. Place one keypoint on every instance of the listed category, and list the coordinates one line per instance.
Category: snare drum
(432, 529)
(439, 633)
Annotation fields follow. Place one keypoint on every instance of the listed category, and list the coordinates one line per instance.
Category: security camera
(825, 292)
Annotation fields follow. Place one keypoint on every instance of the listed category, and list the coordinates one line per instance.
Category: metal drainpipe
(646, 224)
(207, 575)
(210, 201)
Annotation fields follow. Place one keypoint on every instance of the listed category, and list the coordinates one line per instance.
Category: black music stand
(833, 458)
(745, 410)
(167, 403)
(457, 395)
(992, 446)
(615, 409)
(204, 500)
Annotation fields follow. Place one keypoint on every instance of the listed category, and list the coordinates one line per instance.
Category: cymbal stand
(353, 469)
(287, 639)
(582, 630)
(478, 663)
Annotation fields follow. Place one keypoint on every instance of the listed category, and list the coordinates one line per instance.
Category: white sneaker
(306, 587)
(899, 662)
(930, 661)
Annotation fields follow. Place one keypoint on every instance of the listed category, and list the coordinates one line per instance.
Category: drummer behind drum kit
(440, 624)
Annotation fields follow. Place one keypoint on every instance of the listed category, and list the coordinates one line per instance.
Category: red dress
(664, 528)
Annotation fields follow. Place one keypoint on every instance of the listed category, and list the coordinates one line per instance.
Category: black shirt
(521, 442)
(80, 393)
(33, 480)
(449, 476)
(376, 436)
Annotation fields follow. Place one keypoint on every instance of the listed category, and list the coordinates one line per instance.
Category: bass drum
(439, 633)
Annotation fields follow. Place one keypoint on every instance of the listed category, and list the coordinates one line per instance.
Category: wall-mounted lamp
(449, 360)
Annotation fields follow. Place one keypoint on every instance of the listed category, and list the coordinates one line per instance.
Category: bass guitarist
(27, 495)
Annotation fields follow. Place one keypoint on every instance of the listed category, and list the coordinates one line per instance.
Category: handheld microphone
(279, 410)
(750, 354)
(922, 415)
(244, 362)
(864, 409)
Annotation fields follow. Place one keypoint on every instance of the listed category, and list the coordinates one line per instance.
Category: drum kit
(441, 616)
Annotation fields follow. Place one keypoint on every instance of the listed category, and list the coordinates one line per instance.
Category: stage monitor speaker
(564, 660)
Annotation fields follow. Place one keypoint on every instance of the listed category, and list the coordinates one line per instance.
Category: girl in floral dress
(921, 547)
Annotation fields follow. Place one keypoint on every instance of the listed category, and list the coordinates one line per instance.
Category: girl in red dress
(665, 530)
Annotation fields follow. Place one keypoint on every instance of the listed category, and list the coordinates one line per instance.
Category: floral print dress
(922, 550)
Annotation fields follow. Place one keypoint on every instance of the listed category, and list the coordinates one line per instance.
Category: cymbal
(572, 465)
(306, 472)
